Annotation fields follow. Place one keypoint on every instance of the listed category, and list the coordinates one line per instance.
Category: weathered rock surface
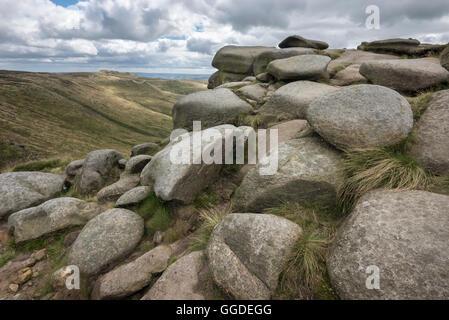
(114, 191)
(21, 190)
(432, 133)
(264, 77)
(212, 107)
(106, 238)
(74, 168)
(137, 163)
(298, 41)
(220, 77)
(237, 59)
(401, 47)
(233, 84)
(100, 168)
(255, 92)
(351, 56)
(247, 252)
(262, 60)
(405, 74)
(185, 279)
(133, 276)
(303, 67)
(182, 180)
(349, 75)
(134, 196)
(308, 172)
(361, 116)
(51, 216)
(291, 101)
(148, 148)
(405, 234)
(444, 58)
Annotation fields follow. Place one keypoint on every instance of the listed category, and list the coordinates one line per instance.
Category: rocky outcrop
(291, 101)
(402, 235)
(51, 216)
(405, 74)
(100, 168)
(148, 148)
(175, 180)
(134, 196)
(396, 46)
(212, 108)
(21, 190)
(106, 238)
(303, 67)
(185, 279)
(308, 172)
(298, 41)
(444, 58)
(133, 276)
(247, 252)
(361, 116)
(262, 60)
(432, 135)
(114, 191)
(221, 77)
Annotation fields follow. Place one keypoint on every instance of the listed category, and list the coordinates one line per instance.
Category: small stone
(24, 275)
(14, 287)
(40, 255)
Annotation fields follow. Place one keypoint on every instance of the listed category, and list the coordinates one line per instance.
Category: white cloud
(173, 35)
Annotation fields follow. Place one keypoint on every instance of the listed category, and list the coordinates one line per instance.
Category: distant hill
(43, 115)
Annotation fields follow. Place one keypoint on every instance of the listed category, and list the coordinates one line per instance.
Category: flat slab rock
(237, 59)
(405, 74)
(247, 252)
(134, 196)
(21, 190)
(298, 41)
(303, 67)
(405, 234)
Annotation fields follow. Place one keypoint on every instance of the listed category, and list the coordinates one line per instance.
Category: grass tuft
(209, 218)
(306, 270)
(253, 120)
(155, 214)
(390, 168)
(6, 257)
(419, 104)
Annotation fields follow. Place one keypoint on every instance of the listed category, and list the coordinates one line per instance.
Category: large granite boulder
(148, 148)
(432, 133)
(100, 168)
(405, 74)
(221, 77)
(298, 41)
(309, 171)
(444, 58)
(291, 101)
(105, 239)
(401, 235)
(255, 92)
(133, 276)
(212, 108)
(21, 190)
(361, 116)
(74, 169)
(247, 252)
(262, 60)
(303, 67)
(51, 216)
(180, 173)
(237, 59)
(185, 279)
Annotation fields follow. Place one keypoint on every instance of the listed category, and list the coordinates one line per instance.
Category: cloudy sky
(182, 36)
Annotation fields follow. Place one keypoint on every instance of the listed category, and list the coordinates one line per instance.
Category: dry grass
(209, 218)
(306, 271)
(369, 169)
(420, 103)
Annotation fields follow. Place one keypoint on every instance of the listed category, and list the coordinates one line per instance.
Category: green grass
(331, 54)
(306, 270)
(253, 120)
(210, 218)
(206, 199)
(390, 168)
(44, 166)
(420, 103)
(6, 257)
(155, 214)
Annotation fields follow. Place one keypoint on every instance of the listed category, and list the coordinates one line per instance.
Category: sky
(174, 36)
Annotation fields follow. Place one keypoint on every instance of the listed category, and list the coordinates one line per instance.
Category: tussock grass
(420, 103)
(306, 270)
(209, 218)
(206, 199)
(44, 166)
(6, 257)
(372, 168)
(253, 120)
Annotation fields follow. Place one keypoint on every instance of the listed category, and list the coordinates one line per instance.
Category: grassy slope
(73, 114)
